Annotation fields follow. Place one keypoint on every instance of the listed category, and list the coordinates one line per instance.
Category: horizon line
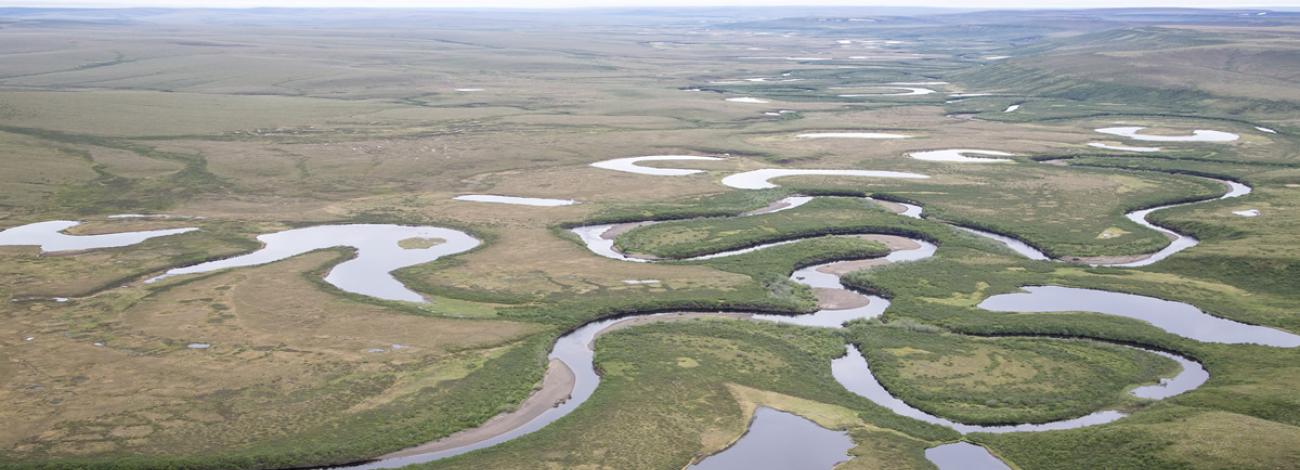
(641, 7)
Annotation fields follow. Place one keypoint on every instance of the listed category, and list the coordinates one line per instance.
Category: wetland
(266, 239)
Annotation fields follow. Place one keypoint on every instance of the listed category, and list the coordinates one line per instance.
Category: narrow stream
(855, 374)
(1178, 243)
(599, 239)
(1021, 248)
(1181, 242)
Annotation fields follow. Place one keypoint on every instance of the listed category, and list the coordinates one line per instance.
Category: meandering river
(574, 353)
(379, 253)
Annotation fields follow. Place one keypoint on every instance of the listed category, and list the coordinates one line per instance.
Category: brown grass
(273, 334)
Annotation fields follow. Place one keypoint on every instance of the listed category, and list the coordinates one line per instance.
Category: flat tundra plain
(251, 122)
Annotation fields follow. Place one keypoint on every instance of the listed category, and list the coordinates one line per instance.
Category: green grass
(770, 290)
(1086, 91)
(726, 204)
(110, 192)
(1167, 438)
(785, 259)
(1250, 254)
(951, 288)
(823, 216)
(435, 412)
(1005, 381)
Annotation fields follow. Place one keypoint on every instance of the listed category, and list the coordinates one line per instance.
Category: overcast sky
(693, 3)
